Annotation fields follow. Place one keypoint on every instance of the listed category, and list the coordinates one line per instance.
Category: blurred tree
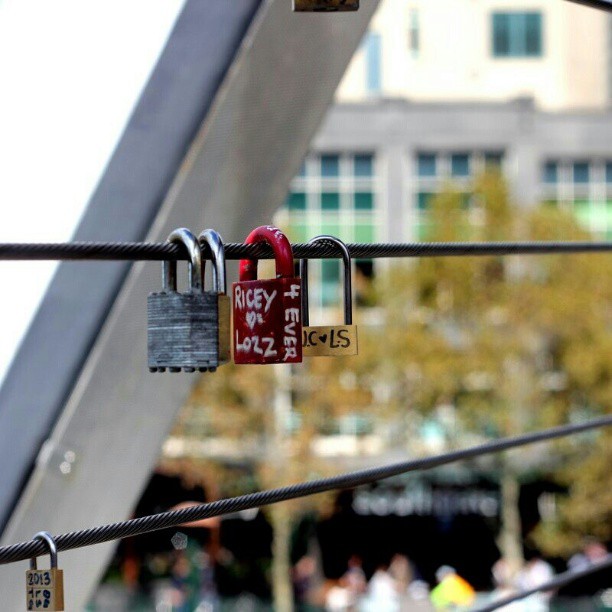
(488, 346)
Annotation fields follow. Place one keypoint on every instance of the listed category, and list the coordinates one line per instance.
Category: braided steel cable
(163, 520)
(556, 583)
(158, 251)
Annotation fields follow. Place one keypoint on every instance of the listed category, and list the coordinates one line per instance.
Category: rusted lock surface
(325, 5)
(45, 588)
(267, 312)
(329, 340)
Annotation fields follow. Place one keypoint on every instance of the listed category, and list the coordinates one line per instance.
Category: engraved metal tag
(329, 341)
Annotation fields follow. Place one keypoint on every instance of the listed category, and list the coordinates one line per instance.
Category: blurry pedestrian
(534, 573)
(452, 589)
(592, 552)
(382, 594)
(355, 578)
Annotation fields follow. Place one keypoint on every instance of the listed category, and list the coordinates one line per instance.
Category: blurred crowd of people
(398, 587)
(395, 587)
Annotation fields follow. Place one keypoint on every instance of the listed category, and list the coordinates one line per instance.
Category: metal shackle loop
(217, 250)
(283, 253)
(190, 242)
(348, 289)
(44, 535)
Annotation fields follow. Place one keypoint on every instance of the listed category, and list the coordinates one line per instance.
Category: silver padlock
(45, 588)
(183, 328)
(329, 340)
(325, 5)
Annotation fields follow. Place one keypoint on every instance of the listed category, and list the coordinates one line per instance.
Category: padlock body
(267, 321)
(45, 589)
(325, 5)
(329, 341)
(188, 331)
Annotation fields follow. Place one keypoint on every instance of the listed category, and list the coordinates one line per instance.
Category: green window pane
(423, 200)
(330, 270)
(330, 281)
(330, 165)
(296, 201)
(330, 200)
(333, 229)
(533, 34)
(298, 232)
(364, 200)
(364, 233)
(501, 34)
(426, 164)
(460, 164)
(516, 34)
(363, 165)
(583, 211)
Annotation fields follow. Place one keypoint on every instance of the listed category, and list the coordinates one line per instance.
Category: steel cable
(163, 520)
(158, 251)
(557, 582)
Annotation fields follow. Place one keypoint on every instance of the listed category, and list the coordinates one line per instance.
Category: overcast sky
(70, 74)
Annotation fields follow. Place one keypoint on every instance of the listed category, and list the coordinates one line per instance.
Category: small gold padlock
(329, 340)
(45, 588)
(325, 5)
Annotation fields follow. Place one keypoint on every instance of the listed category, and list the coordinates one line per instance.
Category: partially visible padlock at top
(329, 340)
(45, 588)
(325, 5)
(190, 331)
(267, 313)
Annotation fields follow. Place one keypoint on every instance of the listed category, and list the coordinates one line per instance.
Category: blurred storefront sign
(425, 500)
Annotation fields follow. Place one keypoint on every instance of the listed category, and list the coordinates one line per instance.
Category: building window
(296, 201)
(373, 53)
(517, 34)
(363, 165)
(581, 172)
(426, 164)
(583, 187)
(460, 164)
(551, 172)
(330, 201)
(337, 194)
(330, 165)
(434, 170)
(413, 32)
(364, 200)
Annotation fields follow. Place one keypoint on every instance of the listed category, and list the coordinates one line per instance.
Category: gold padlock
(329, 340)
(45, 588)
(325, 5)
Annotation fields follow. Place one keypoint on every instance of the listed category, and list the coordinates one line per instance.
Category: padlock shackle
(46, 537)
(184, 237)
(283, 253)
(348, 288)
(217, 250)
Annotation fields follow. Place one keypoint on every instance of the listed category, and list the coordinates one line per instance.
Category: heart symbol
(251, 319)
(323, 338)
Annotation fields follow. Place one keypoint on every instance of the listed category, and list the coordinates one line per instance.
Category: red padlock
(267, 313)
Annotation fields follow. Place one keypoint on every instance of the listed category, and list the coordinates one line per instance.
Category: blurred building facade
(435, 93)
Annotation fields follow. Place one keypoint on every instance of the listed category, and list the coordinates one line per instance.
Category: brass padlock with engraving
(45, 588)
(329, 340)
(325, 5)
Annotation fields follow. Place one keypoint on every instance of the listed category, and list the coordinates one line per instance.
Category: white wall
(455, 60)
